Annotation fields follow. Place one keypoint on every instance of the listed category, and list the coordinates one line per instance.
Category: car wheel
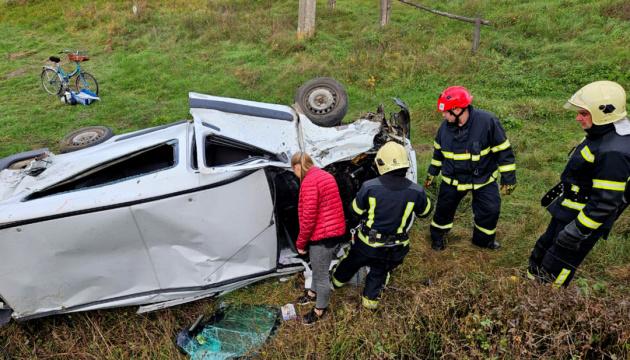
(323, 100)
(84, 138)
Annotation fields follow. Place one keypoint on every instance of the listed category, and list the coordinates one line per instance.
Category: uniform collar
(597, 131)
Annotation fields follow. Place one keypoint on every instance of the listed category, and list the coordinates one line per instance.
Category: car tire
(84, 138)
(323, 100)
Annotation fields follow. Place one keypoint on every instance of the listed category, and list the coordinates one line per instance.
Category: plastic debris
(233, 331)
(288, 312)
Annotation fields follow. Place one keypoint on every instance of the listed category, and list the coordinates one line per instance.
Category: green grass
(532, 58)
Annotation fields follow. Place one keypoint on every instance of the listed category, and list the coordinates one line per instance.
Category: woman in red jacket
(322, 227)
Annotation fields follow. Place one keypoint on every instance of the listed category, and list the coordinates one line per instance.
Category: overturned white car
(170, 214)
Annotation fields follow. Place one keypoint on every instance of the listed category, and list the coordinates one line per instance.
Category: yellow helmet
(604, 100)
(391, 156)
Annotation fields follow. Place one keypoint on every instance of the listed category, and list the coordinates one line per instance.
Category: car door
(245, 154)
(224, 229)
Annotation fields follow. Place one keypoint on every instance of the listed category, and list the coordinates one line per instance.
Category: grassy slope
(535, 55)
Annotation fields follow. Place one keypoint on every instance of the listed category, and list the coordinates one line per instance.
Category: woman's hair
(303, 159)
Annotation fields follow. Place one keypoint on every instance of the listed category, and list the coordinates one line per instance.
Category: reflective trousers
(380, 260)
(486, 206)
(552, 263)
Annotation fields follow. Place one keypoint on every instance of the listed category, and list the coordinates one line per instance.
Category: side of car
(173, 213)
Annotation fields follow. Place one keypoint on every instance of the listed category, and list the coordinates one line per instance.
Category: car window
(139, 163)
(220, 151)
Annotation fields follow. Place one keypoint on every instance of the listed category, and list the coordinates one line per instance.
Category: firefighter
(593, 191)
(386, 206)
(471, 150)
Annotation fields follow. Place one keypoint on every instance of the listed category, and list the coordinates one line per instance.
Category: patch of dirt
(619, 11)
(21, 54)
(15, 73)
(621, 272)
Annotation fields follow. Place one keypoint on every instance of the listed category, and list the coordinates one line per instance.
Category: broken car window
(146, 161)
(223, 151)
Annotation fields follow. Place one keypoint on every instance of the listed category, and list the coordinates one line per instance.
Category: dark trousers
(486, 206)
(552, 263)
(380, 260)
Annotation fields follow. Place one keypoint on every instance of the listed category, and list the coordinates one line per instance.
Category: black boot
(494, 245)
(311, 316)
(438, 245)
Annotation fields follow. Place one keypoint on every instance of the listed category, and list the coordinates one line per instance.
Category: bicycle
(56, 81)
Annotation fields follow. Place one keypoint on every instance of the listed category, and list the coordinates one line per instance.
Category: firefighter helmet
(454, 97)
(391, 156)
(604, 100)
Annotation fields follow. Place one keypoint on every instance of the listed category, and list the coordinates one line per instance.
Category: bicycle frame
(67, 76)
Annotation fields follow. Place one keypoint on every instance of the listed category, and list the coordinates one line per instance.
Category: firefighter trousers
(380, 260)
(552, 263)
(486, 206)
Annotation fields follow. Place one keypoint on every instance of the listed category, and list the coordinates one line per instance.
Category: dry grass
(462, 303)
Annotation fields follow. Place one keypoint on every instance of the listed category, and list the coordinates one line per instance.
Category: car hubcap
(321, 101)
(86, 137)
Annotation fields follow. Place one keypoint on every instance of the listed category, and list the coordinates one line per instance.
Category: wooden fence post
(476, 35)
(386, 8)
(332, 4)
(306, 19)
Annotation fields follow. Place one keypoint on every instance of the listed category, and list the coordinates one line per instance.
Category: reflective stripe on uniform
(486, 231)
(465, 156)
(509, 167)
(575, 188)
(464, 187)
(436, 162)
(588, 222)
(356, 207)
(436, 145)
(408, 210)
(428, 208)
(562, 277)
(504, 145)
(443, 227)
(369, 304)
(609, 185)
(336, 282)
(483, 152)
(372, 201)
(454, 156)
(367, 242)
(572, 204)
(587, 154)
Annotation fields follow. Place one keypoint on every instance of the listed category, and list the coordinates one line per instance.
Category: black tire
(51, 82)
(86, 81)
(84, 138)
(323, 100)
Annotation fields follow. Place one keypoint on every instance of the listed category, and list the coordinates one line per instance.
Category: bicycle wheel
(51, 81)
(86, 81)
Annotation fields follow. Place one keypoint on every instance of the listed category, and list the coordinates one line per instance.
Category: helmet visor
(570, 106)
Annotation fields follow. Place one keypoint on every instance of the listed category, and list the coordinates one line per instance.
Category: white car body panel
(161, 238)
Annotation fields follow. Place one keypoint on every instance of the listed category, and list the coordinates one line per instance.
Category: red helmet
(454, 97)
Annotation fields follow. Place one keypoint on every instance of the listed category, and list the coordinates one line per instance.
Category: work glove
(428, 181)
(570, 237)
(507, 189)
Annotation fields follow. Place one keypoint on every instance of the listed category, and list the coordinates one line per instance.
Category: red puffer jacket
(320, 210)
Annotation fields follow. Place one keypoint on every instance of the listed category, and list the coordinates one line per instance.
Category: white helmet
(604, 100)
(391, 156)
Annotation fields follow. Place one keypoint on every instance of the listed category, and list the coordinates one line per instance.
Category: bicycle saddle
(54, 59)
